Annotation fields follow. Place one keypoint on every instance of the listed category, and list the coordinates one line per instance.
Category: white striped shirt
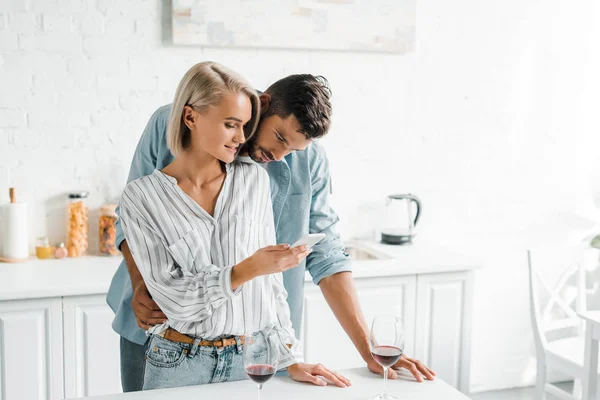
(185, 256)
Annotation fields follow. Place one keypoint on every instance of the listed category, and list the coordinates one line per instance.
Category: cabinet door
(92, 365)
(326, 342)
(444, 309)
(31, 364)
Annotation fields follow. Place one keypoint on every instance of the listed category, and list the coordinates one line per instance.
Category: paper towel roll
(15, 237)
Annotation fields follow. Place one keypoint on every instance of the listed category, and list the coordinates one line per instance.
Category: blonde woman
(201, 232)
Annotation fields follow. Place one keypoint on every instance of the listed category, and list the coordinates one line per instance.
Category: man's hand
(146, 311)
(302, 372)
(415, 367)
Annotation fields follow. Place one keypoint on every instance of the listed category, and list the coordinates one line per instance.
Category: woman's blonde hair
(201, 87)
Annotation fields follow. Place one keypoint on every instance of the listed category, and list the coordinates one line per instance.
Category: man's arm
(330, 268)
(145, 157)
(340, 293)
(134, 272)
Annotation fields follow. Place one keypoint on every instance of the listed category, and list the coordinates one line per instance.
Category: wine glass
(387, 346)
(261, 357)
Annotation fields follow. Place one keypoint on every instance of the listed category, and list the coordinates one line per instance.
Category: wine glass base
(384, 396)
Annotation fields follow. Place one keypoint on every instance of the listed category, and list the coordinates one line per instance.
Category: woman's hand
(268, 260)
(311, 373)
(280, 258)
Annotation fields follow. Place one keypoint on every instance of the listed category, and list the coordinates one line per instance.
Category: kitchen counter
(418, 258)
(60, 306)
(364, 386)
(92, 274)
(57, 278)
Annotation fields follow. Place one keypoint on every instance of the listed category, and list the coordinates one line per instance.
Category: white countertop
(54, 278)
(364, 386)
(92, 274)
(418, 258)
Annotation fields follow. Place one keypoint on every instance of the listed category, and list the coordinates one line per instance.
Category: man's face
(275, 138)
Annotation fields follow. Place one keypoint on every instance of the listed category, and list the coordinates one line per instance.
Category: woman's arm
(147, 312)
(183, 288)
(290, 348)
(291, 352)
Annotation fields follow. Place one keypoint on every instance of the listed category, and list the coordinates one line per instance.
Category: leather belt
(174, 336)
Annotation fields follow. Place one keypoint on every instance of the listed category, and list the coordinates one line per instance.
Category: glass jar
(60, 251)
(43, 250)
(77, 238)
(108, 229)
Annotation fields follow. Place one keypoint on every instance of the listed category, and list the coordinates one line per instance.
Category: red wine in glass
(387, 345)
(386, 356)
(260, 373)
(261, 357)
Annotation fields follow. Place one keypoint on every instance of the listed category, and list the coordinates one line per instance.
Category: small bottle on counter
(60, 251)
(43, 250)
(108, 229)
(77, 239)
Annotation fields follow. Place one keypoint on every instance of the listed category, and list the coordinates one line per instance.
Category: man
(294, 112)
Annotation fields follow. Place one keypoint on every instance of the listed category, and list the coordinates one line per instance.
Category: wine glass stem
(260, 385)
(385, 373)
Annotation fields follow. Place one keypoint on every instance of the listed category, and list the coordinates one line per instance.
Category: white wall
(492, 121)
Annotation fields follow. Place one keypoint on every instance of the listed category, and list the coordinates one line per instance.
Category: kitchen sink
(360, 254)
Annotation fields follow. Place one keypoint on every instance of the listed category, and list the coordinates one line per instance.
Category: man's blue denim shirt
(300, 187)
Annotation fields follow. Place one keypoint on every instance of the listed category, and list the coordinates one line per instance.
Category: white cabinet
(48, 355)
(91, 347)
(444, 309)
(31, 349)
(436, 313)
(323, 337)
(61, 344)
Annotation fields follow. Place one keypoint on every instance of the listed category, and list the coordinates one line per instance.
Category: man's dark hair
(305, 96)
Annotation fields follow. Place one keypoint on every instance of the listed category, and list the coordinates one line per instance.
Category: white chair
(557, 286)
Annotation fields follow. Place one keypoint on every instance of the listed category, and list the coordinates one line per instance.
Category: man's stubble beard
(250, 147)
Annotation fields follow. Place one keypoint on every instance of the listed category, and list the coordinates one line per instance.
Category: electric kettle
(401, 215)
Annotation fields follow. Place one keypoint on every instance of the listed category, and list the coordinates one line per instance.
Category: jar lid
(60, 244)
(108, 209)
(78, 195)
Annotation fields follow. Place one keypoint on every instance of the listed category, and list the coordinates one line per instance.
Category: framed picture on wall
(352, 25)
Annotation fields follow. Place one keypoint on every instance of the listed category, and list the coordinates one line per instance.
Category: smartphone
(311, 239)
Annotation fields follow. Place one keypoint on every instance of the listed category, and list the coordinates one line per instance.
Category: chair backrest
(557, 288)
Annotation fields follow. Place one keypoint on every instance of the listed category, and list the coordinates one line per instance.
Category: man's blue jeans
(133, 361)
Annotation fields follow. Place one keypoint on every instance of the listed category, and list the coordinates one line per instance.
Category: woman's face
(219, 130)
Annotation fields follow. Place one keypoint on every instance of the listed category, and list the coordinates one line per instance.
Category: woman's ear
(189, 117)
(265, 102)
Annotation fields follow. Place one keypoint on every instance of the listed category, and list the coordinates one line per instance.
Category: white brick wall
(11, 118)
(9, 41)
(57, 23)
(492, 122)
(15, 5)
(23, 22)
